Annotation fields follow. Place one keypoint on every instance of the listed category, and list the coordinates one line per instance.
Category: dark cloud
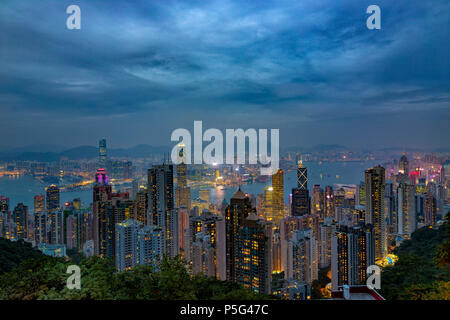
(139, 69)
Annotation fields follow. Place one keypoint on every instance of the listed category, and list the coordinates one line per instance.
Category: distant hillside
(13, 253)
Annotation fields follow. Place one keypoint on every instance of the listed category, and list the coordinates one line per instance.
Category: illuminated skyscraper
(302, 257)
(102, 153)
(20, 221)
(318, 202)
(300, 202)
(103, 223)
(150, 246)
(39, 204)
(375, 206)
(235, 214)
(300, 195)
(161, 205)
(406, 208)
(302, 176)
(253, 262)
(326, 232)
(52, 198)
(329, 202)
(126, 237)
(352, 251)
(278, 197)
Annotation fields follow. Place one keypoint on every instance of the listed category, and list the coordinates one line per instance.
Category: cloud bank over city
(137, 70)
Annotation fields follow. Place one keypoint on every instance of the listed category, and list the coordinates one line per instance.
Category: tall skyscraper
(20, 221)
(375, 215)
(253, 262)
(102, 154)
(300, 195)
(327, 229)
(329, 202)
(235, 214)
(278, 197)
(300, 202)
(302, 176)
(151, 243)
(302, 257)
(103, 222)
(406, 208)
(318, 202)
(352, 251)
(39, 204)
(52, 198)
(161, 205)
(127, 254)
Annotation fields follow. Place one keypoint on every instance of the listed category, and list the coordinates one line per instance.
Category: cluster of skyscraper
(269, 247)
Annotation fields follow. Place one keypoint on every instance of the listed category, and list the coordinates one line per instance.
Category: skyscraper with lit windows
(375, 208)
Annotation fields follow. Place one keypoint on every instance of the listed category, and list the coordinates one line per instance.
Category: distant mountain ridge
(81, 152)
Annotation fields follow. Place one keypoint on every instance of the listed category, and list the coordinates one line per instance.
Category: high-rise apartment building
(375, 208)
(352, 251)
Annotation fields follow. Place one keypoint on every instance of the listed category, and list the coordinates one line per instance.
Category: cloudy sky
(137, 70)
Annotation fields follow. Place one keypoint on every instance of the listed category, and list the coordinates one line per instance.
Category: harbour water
(24, 188)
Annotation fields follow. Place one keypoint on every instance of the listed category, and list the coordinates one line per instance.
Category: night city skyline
(136, 71)
(217, 158)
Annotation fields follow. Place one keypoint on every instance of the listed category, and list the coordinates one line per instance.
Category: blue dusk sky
(137, 70)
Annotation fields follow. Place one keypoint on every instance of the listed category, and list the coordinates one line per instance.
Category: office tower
(430, 209)
(375, 215)
(161, 205)
(20, 221)
(150, 246)
(329, 202)
(406, 209)
(300, 202)
(102, 153)
(352, 251)
(302, 257)
(235, 214)
(141, 204)
(253, 262)
(327, 229)
(39, 204)
(403, 165)
(278, 196)
(103, 223)
(318, 202)
(302, 176)
(52, 198)
(126, 237)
